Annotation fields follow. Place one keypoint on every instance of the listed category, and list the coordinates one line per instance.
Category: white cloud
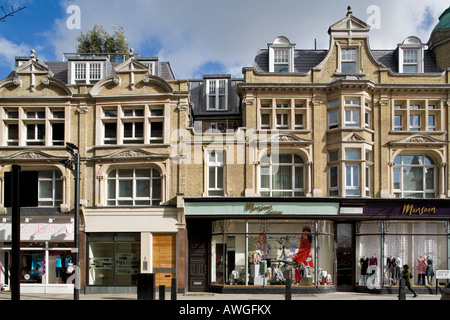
(9, 50)
(192, 33)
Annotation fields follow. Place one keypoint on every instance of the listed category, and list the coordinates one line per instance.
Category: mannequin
(390, 263)
(304, 248)
(364, 262)
(429, 271)
(421, 270)
(398, 268)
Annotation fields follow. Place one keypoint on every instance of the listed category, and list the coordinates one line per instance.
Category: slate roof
(305, 60)
(60, 69)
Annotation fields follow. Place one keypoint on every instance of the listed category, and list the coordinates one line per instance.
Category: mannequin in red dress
(304, 249)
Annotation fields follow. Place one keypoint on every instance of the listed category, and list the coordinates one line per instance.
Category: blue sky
(207, 36)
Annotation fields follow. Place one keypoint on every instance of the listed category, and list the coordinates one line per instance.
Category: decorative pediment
(286, 138)
(130, 154)
(33, 66)
(131, 65)
(353, 137)
(30, 155)
(419, 139)
(349, 26)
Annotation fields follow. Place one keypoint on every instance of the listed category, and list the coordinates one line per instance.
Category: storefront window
(416, 243)
(46, 263)
(272, 251)
(114, 258)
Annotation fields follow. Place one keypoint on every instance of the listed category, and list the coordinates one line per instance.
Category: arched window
(133, 187)
(282, 175)
(414, 176)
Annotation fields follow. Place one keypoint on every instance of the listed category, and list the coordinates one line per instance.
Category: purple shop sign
(412, 208)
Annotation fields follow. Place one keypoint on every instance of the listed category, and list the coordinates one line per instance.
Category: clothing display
(373, 261)
(421, 270)
(429, 271)
(304, 249)
(391, 266)
(364, 262)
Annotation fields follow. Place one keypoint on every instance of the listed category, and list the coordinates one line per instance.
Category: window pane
(45, 189)
(156, 130)
(352, 155)
(110, 130)
(125, 188)
(212, 177)
(348, 67)
(156, 190)
(142, 188)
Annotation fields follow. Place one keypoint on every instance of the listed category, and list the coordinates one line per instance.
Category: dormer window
(348, 60)
(84, 72)
(217, 92)
(281, 55)
(281, 60)
(410, 54)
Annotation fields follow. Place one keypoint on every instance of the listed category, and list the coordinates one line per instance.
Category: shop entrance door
(198, 239)
(344, 257)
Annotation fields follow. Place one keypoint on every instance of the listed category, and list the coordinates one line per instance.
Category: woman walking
(407, 277)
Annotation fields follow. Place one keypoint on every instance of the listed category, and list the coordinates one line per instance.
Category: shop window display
(272, 251)
(114, 259)
(421, 245)
(42, 263)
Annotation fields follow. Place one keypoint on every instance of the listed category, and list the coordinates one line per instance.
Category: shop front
(46, 255)
(258, 244)
(122, 243)
(393, 233)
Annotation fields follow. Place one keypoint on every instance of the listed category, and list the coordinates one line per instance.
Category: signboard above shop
(253, 208)
(408, 208)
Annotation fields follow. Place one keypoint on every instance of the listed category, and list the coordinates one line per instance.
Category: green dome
(444, 20)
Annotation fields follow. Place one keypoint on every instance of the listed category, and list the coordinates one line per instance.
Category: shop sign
(39, 231)
(412, 209)
(263, 209)
(219, 208)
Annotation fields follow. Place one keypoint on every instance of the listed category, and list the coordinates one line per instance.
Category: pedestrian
(407, 277)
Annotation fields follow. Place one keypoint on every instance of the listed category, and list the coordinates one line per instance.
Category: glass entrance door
(344, 257)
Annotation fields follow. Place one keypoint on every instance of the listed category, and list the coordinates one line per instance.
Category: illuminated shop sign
(408, 209)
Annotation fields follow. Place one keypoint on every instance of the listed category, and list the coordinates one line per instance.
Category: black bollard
(162, 292)
(401, 290)
(173, 289)
(288, 289)
(146, 286)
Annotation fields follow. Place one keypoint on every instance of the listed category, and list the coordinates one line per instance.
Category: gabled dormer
(281, 55)
(410, 55)
(349, 35)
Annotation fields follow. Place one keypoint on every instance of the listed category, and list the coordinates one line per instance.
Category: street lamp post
(73, 164)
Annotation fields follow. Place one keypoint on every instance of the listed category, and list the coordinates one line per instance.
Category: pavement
(206, 296)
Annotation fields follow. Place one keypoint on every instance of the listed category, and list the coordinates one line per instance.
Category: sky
(201, 37)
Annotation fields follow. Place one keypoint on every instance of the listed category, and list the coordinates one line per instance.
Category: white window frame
(92, 72)
(216, 162)
(347, 56)
(400, 167)
(217, 89)
(272, 166)
(152, 178)
(286, 48)
(55, 180)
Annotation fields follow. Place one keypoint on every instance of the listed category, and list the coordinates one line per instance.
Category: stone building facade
(319, 166)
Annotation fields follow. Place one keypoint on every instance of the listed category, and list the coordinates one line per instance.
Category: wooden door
(164, 258)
